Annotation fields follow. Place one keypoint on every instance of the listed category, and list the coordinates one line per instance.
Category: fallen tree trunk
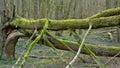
(68, 24)
(106, 18)
(99, 50)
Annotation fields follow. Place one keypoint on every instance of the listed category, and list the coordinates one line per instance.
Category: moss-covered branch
(99, 50)
(68, 24)
(107, 13)
(107, 18)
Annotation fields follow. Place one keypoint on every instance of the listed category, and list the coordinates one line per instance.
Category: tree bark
(103, 19)
(68, 24)
(4, 19)
(10, 43)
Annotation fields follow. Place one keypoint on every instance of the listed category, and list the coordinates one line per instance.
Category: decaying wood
(9, 47)
(99, 50)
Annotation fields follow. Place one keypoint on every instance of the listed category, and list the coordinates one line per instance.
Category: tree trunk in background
(58, 14)
(36, 9)
(116, 4)
(7, 13)
(24, 8)
(81, 8)
(118, 34)
(113, 4)
(3, 18)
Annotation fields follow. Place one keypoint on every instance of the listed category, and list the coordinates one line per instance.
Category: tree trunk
(68, 24)
(99, 50)
(6, 16)
(4, 19)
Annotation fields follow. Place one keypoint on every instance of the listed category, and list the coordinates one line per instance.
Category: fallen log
(67, 24)
(99, 50)
(106, 18)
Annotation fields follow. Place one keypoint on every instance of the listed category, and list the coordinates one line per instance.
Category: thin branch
(79, 50)
(44, 57)
(32, 44)
(19, 59)
(112, 58)
(55, 50)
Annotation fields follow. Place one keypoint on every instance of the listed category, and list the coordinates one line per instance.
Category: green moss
(29, 23)
(67, 24)
(109, 49)
(106, 13)
(98, 20)
(26, 56)
(96, 48)
(21, 21)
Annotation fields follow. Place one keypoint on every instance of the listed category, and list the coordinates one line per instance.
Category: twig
(43, 57)
(55, 50)
(32, 44)
(88, 65)
(112, 58)
(79, 50)
(18, 60)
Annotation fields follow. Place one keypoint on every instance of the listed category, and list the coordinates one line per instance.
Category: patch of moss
(21, 21)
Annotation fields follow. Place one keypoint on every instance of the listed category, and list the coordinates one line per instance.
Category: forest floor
(46, 57)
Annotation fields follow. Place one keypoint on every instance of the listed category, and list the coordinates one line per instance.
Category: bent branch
(9, 47)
